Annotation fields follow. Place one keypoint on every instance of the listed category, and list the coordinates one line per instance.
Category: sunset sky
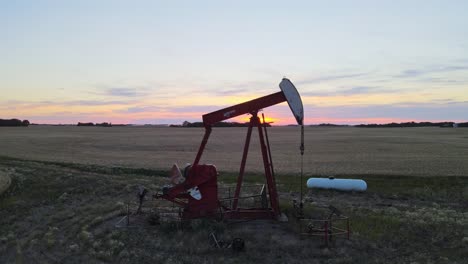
(163, 62)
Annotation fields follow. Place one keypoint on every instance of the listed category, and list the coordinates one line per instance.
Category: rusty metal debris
(237, 244)
(335, 224)
(142, 191)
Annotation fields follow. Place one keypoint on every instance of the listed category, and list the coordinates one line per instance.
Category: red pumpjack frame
(206, 175)
(251, 107)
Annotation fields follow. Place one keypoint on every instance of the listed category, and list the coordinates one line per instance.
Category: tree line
(104, 124)
(13, 122)
(417, 124)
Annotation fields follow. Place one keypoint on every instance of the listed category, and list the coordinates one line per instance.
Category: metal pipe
(268, 146)
(301, 203)
(203, 144)
(244, 159)
(269, 177)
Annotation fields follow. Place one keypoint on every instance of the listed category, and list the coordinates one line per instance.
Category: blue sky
(170, 61)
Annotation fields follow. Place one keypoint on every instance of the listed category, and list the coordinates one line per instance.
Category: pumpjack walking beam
(229, 112)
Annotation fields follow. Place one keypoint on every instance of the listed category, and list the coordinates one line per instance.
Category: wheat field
(329, 150)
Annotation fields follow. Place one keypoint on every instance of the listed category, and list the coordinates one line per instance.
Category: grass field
(69, 186)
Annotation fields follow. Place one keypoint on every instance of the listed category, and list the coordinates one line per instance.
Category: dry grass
(329, 151)
(65, 213)
(5, 181)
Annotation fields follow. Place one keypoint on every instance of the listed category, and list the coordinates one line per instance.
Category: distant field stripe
(114, 170)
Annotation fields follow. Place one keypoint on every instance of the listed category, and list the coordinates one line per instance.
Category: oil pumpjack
(197, 194)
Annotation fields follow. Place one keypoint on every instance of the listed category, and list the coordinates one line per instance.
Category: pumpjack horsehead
(197, 192)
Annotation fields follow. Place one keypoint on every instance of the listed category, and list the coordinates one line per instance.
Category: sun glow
(246, 118)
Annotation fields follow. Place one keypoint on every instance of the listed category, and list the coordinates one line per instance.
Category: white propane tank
(337, 184)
